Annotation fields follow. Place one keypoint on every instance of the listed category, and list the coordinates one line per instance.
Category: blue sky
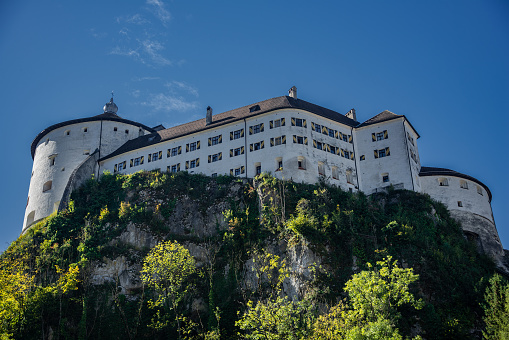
(443, 64)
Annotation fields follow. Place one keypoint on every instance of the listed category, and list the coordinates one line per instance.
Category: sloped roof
(385, 116)
(432, 171)
(284, 102)
(103, 116)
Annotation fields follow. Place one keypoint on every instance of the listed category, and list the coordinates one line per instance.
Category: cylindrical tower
(468, 201)
(61, 148)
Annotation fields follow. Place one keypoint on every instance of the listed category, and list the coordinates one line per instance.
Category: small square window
(115, 128)
(126, 132)
(385, 178)
(460, 204)
(85, 129)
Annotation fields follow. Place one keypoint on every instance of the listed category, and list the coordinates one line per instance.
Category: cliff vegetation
(167, 256)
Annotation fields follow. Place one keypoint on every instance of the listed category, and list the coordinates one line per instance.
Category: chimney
(293, 92)
(208, 120)
(351, 114)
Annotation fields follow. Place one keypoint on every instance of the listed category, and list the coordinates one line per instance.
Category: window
(298, 139)
(479, 190)
(346, 154)
(335, 172)
(47, 186)
(192, 146)
(215, 140)
(256, 129)
(237, 171)
(236, 134)
(256, 146)
(174, 168)
(299, 122)
(382, 153)
(301, 163)
(174, 152)
(410, 138)
(379, 136)
(345, 138)
(85, 129)
(214, 175)
(279, 164)
(120, 166)
(67, 132)
(192, 164)
(86, 152)
(126, 132)
(155, 156)
(115, 129)
(136, 161)
(385, 178)
(443, 182)
(277, 141)
(236, 152)
(463, 184)
(363, 158)
(215, 157)
(321, 169)
(331, 133)
(318, 128)
(52, 160)
(333, 149)
(258, 168)
(318, 145)
(460, 204)
(30, 218)
(254, 108)
(349, 177)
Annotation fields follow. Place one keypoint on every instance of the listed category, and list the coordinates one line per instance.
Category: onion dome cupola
(110, 107)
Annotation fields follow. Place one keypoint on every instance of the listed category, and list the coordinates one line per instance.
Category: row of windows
(237, 151)
(85, 129)
(256, 146)
(444, 182)
(277, 123)
(333, 149)
(379, 136)
(194, 163)
(278, 141)
(331, 132)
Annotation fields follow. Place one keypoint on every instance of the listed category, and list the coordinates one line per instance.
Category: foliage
(496, 308)
(280, 318)
(166, 268)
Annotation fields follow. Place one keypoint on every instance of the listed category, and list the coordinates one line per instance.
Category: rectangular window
(331, 133)
(175, 167)
(257, 146)
(277, 123)
(236, 134)
(385, 178)
(299, 122)
(215, 140)
(174, 151)
(136, 161)
(347, 154)
(463, 184)
(318, 128)
(256, 129)
(237, 171)
(479, 190)
(258, 169)
(345, 138)
(333, 149)
(215, 157)
(192, 164)
(192, 146)
(380, 136)
(300, 140)
(155, 156)
(214, 175)
(277, 141)
(381, 153)
(460, 204)
(237, 152)
(363, 158)
(318, 145)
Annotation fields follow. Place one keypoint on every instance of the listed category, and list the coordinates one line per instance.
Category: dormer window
(254, 108)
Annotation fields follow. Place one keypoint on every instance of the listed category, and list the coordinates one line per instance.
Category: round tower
(469, 202)
(66, 152)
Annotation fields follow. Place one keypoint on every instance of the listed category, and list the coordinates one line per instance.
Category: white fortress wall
(387, 155)
(259, 146)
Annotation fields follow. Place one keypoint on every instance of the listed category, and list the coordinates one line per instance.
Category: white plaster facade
(285, 136)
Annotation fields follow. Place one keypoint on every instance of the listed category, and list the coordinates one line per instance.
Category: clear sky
(443, 64)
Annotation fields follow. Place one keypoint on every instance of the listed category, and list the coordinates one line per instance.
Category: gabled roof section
(383, 117)
(284, 102)
(110, 116)
(432, 171)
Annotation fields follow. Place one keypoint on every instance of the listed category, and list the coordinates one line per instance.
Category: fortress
(286, 136)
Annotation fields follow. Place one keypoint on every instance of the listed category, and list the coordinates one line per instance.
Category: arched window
(443, 182)
(335, 172)
(47, 186)
(321, 169)
(30, 218)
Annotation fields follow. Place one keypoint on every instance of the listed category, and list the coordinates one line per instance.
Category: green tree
(277, 319)
(496, 309)
(372, 311)
(166, 269)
